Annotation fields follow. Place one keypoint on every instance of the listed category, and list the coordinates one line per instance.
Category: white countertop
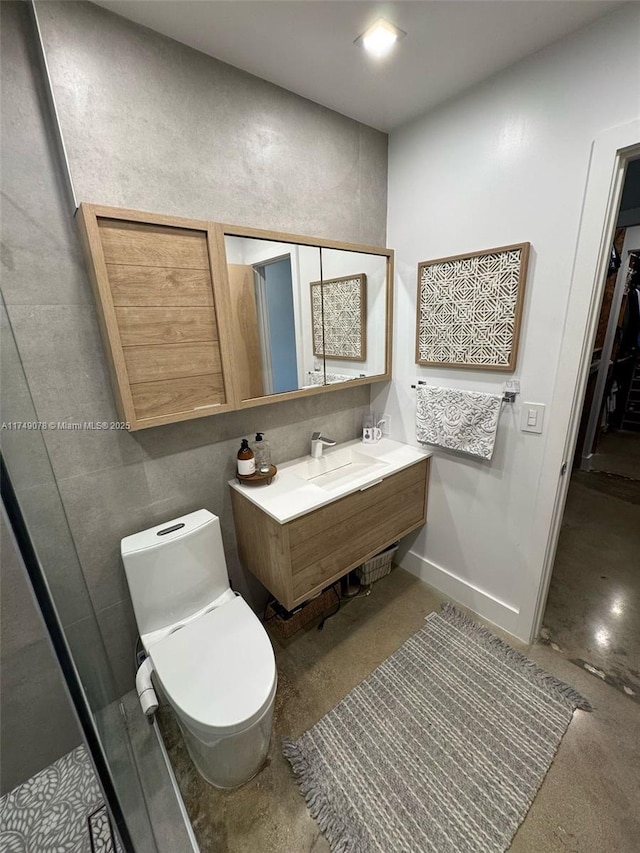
(292, 491)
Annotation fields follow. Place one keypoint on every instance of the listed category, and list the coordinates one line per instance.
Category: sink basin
(304, 485)
(337, 468)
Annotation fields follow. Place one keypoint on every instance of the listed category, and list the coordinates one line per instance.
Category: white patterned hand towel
(458, 420)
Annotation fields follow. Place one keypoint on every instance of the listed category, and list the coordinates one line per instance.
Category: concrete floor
(593, 608)
(589, 801)
(619, 453)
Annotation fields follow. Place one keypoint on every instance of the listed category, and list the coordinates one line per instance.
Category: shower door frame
(24, 546)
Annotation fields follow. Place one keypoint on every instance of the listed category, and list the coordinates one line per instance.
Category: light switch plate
(532, 417)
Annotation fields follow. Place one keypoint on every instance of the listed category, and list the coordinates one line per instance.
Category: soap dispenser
(246, 460)
(262, 452)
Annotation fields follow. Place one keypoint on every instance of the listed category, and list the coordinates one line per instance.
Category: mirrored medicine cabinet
(305, 314)
(200, 318)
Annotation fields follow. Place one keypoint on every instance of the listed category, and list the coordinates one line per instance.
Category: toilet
(212, 658)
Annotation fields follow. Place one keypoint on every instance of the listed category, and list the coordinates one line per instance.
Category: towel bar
(507, 397)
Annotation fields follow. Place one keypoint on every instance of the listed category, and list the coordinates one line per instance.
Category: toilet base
(211, 782)
(232, 760)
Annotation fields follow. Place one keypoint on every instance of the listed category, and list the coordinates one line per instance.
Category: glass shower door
(37, 517)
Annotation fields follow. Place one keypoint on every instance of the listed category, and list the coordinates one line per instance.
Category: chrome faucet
(318, 442)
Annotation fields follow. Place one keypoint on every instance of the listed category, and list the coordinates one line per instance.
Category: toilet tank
(175, 569)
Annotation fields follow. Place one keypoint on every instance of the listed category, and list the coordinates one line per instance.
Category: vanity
(320, 518)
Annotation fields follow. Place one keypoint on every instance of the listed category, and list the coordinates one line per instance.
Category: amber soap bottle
(246, 459)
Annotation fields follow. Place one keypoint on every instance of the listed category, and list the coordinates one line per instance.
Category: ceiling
(307, 46)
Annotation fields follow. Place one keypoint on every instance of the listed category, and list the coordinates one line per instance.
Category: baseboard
(483, 603)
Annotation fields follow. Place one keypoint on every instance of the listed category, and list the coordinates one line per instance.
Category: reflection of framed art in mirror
(338, 317)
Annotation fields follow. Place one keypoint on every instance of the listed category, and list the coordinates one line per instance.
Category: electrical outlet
(385, 426)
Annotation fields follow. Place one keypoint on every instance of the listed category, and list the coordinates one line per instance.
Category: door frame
(587, 454)
(610, 153)
(260, 283)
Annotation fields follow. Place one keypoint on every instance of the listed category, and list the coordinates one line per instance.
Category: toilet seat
(219, 670)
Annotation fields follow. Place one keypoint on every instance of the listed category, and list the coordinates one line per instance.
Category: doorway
(592, 613)
(276, 322)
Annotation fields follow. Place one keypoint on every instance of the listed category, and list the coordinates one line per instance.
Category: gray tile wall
(37, 724)
(153, 125)
(29, 466)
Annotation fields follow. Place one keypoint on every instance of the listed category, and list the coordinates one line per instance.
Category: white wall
(506, 163)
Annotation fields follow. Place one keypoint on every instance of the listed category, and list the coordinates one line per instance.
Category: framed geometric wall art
(338, 308)
(470, 308)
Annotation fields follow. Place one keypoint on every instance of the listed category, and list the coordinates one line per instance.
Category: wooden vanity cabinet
(296, 560)
(162, 318)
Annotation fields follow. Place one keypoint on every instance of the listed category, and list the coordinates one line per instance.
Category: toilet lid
(218, 671)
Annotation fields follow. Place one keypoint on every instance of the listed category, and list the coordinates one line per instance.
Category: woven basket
(377, 567)
(285, 628)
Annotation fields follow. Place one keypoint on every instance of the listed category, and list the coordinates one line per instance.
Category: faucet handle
(317, 442)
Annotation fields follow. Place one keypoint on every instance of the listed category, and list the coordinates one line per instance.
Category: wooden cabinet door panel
(168, 325)
(305, 527)
(334, 551)
(140, 244)
(165, 396)
(160, 315)
(171, 361)
(159, 286)
(366, 524)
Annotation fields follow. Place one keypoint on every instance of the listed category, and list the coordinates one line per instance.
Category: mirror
(304, 315)
(354, 313)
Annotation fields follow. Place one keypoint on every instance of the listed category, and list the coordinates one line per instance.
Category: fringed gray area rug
(442, 748)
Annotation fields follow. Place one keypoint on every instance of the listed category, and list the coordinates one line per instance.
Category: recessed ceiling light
(380, 37)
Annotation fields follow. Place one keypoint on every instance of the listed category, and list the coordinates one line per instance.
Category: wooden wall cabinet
(164, 322)
(178, 318)
(296, 560)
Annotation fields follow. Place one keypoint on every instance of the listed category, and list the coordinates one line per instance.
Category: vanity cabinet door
(160, 314)
(327, 543)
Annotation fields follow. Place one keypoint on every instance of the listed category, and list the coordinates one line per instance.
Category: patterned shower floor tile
(49, 813)
(100, 832)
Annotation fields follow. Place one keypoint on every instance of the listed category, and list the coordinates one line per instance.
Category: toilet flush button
(532, 417)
